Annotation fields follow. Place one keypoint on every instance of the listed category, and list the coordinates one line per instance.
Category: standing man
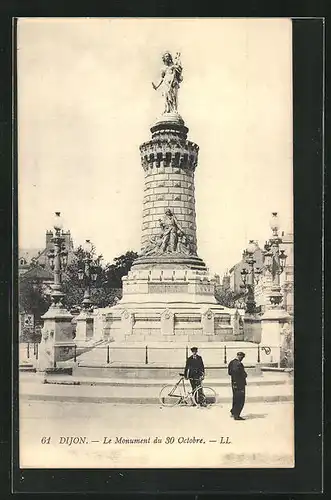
(195, 372)
(238, 376)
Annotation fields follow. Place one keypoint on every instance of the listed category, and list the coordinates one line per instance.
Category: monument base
(171, 305)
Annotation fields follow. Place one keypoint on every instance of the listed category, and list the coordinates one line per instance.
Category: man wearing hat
(238, 376)
(195, 372)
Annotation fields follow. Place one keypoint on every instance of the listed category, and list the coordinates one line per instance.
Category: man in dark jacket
(238, 376)
(195, 372)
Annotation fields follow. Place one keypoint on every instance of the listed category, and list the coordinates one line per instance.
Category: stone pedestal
(237, 323)
(252, 328)
(272, 322)
(84, 329)
(57, 339)
(98, 322)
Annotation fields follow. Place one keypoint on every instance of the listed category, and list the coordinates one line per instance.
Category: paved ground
(264, 439)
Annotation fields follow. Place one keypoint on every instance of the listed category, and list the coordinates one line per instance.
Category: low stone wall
(152, 372)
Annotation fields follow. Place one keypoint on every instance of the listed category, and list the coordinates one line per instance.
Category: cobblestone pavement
(72, 435)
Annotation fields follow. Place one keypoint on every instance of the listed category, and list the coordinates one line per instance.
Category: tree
(120, 268)
(225, 296)
(71, 284)
(108, 284)
(33, 298)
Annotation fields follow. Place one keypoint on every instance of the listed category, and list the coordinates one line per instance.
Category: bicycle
(172, 395)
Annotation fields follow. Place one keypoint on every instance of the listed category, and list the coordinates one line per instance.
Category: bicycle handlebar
(190, 378)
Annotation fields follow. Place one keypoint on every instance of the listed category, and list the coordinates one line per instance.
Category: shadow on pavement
(251, 416)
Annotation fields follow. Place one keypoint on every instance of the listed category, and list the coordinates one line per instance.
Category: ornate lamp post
(87, 275)
(274, 317)
(58, 260)
(57, 342)
(250, 277)
(274, 264)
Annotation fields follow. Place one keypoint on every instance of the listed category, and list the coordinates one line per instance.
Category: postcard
(156, 268)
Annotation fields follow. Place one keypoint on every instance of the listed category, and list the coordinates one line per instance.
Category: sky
(86, 103)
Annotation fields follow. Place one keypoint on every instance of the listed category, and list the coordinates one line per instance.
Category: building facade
(28, 257)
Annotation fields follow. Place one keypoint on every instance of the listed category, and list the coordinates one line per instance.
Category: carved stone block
(127, 322)
(167, 322)
(207, 321)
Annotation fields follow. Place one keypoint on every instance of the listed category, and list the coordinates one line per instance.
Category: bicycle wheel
(205, 395)
(170, 395)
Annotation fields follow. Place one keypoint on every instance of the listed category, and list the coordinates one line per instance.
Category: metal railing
(225, 352)
(32, 351)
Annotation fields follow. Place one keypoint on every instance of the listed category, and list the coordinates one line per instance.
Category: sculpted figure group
(171, 238)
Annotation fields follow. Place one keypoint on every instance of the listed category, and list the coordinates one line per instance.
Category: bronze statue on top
(171, 77)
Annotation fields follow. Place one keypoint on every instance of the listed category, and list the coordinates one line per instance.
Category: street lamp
(87, 275)
(58, 260)
(274, 261)
(250, 276)
(57, 335)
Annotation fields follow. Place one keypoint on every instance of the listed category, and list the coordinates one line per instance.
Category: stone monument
(169, 292)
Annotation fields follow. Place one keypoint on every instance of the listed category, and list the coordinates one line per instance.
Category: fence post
(37, 350)
(258, 353)
(225, 360)
(28, 351)
(108, 359)
(186, 351)
(279, 350)
(75, 353)
(146, 355)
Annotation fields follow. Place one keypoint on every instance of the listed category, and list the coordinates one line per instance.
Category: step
(62, 380)
(25, 367)
(140, 395)
(142, 371)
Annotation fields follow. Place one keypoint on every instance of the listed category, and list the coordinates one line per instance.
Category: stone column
(169, 161)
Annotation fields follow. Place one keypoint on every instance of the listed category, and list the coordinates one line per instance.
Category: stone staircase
(268, 387)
